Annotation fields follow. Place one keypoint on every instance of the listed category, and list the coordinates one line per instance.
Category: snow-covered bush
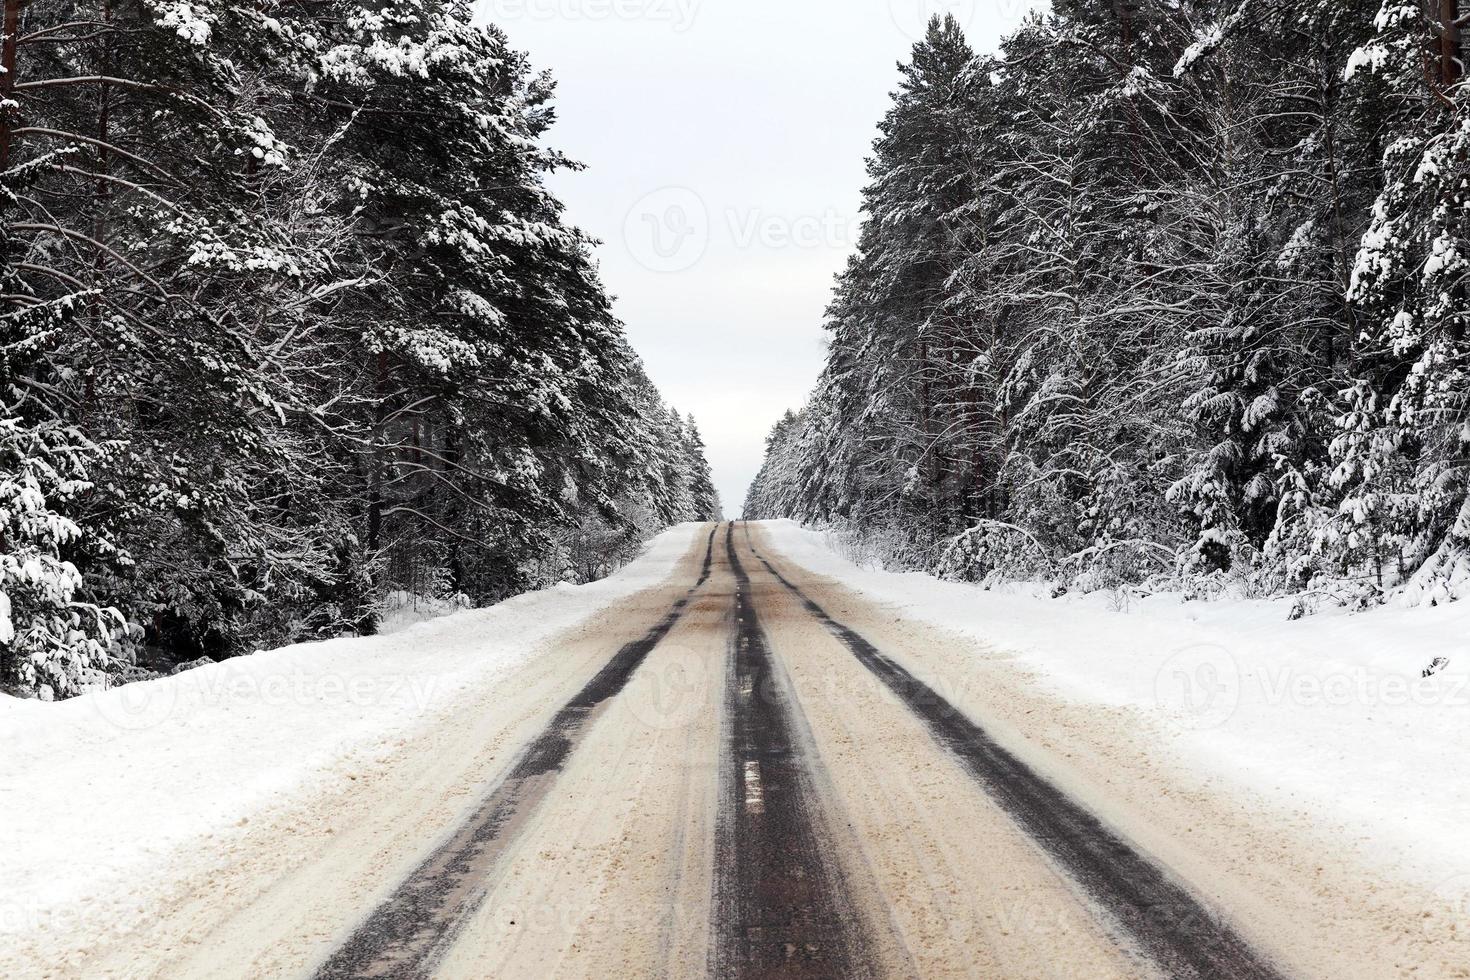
(993, 550)
(50, 640)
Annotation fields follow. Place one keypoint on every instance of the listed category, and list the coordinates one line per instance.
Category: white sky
(725, 141)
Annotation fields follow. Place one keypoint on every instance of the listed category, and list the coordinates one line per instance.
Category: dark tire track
(781, 904)
(1156, 913)
(408, 933)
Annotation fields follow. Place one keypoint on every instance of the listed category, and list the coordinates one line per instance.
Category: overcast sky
(725, 142)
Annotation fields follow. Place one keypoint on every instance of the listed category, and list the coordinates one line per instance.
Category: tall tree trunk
(7, 79)
(456, 551)
(932, 467)
(1342, 249)
(103, 194)
(1449, 43)
(375, 492)
(1126, 10)
(1450, 73)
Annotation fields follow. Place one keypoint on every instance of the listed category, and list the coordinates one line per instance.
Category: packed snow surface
(108, 798)
(1330, 714)
(107, 794)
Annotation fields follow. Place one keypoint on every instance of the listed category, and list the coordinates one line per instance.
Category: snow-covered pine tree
(1325, 145)
(291, 320)
(52, 641)
(133, 249)
(1261, 239)
(890, 309)
(1402, 448)
(704, 498)
(1151, 293)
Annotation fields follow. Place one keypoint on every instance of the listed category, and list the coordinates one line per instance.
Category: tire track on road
(781, 907)
(1173, 928)
(409, 932)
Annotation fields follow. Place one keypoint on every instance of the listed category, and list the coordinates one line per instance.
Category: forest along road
(753, 772)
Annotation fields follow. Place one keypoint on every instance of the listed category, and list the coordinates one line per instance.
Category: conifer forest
(290, 323)
(1164, 294)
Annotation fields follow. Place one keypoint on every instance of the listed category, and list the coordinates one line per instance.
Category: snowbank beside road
(104, 795)
(404, 610)
(1329, 715)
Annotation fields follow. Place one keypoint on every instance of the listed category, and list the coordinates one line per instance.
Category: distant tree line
(1162, 291)
(289, 320)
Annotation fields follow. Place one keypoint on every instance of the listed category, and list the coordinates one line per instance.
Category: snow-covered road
(744, 756)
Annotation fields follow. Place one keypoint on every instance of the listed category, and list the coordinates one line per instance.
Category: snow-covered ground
(106, 793)
(1329, 715)
(107, 798)
(404, 610)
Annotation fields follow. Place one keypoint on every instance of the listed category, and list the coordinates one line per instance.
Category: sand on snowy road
(752, 771)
